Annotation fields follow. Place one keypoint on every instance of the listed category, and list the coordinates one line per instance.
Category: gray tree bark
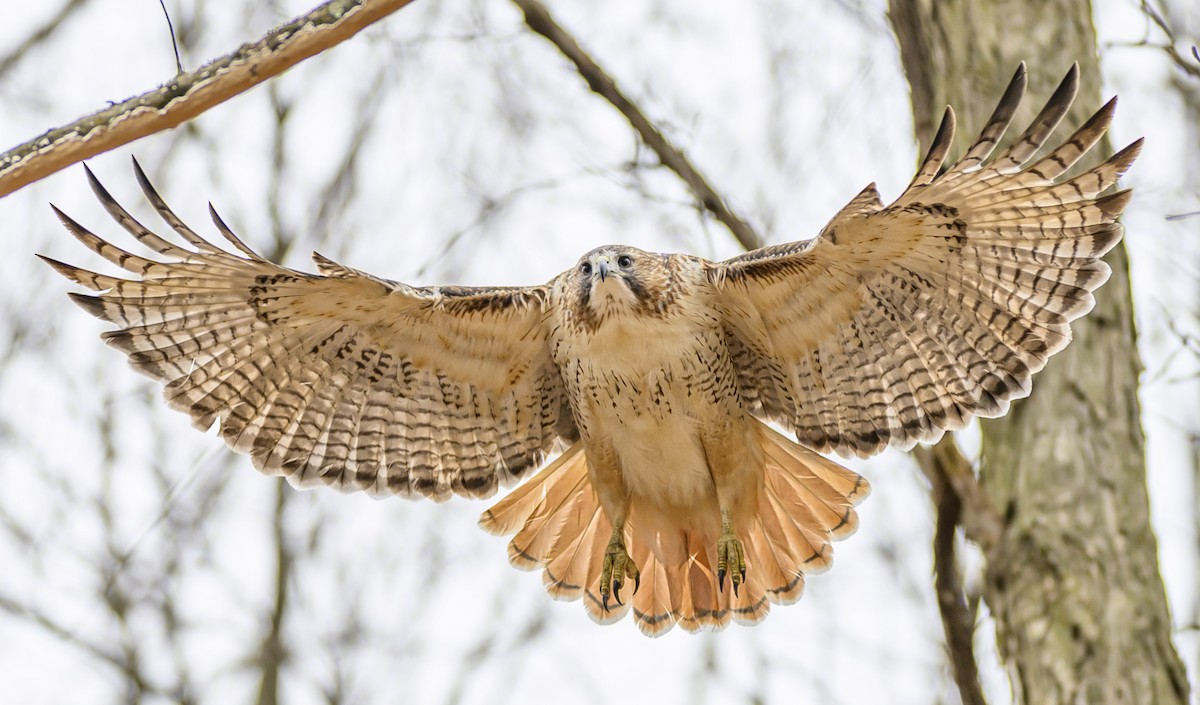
(1080, 609)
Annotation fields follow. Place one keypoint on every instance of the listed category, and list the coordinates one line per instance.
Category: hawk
(653, 374)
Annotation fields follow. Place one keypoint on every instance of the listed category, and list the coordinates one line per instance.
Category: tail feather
(701, 607)
(532, 546)
(776, 565)
(832, 510)
(805, 502)
(571, 555)
(652, 607)
(618, 602)
(786, 524)
(533, 509)
(513, 512)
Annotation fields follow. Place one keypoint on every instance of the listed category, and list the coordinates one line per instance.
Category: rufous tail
(805, 502)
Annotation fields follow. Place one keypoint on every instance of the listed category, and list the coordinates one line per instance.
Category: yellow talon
(617, 567)
(731, 558)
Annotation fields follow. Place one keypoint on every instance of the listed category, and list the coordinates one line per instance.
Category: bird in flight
(652, 375)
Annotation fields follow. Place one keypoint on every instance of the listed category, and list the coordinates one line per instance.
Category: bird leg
(617, 566)
(731, 556)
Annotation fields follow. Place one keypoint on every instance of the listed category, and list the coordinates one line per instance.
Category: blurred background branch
(539, 20)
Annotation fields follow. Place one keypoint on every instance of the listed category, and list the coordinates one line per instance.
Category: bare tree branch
(1159, 17)
(68, 635)
(539, 20)
(945, 464)
(940, 464)
(273, 652)
(190, 94)
(960, 500)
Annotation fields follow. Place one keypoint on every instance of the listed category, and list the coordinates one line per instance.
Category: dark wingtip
(80, 276)
(120, 339)
(945, 129)
(61, 267)
(1067, 88)
(81, 233)
(148, 189)
(1130, 152)
(1016, 85)
(140, 174)
(91, 304)
(1114, 204)
(62, 217)
(102, 193)
(217, 219)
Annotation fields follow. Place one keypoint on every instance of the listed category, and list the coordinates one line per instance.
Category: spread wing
(341, 378)
(899, 323)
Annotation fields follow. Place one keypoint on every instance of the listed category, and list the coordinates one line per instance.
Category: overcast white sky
(791, 108)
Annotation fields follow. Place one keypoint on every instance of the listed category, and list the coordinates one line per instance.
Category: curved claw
(616, 567)
(731, 560)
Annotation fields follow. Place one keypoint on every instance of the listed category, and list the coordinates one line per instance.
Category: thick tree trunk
(1080, 610)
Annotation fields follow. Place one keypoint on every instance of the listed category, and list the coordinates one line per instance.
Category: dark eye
(586, 268)
(624, 261)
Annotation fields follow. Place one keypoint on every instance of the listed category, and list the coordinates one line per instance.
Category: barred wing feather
(338, 378)
(901, 322)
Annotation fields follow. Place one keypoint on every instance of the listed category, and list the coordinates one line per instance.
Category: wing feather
(899, 323)
(343, 378)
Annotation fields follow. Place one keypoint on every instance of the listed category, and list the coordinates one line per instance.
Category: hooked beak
(602, 266)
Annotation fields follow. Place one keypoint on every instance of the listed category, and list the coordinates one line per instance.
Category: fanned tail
(805, 502)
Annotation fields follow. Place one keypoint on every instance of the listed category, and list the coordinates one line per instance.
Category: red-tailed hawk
(672, 498)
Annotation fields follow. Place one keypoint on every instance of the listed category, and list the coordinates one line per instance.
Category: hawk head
(617, 280)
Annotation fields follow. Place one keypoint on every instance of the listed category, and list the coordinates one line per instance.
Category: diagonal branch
(190, 94)
(944, 464)
(539, 20)
(958, 619)
(960, 501)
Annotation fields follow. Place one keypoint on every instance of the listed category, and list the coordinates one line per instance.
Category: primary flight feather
(673, 499)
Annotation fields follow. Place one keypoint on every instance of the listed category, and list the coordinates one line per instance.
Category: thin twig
(1158, 17)
(190, 94)
(171, 29)
(539, 20)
